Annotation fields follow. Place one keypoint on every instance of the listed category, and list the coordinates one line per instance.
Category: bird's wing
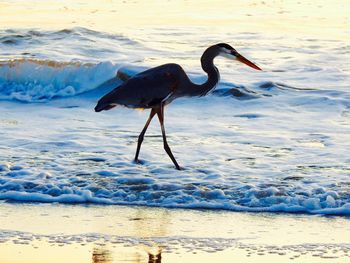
(148, 88)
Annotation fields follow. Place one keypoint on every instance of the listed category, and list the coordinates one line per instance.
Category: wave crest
(31, 80)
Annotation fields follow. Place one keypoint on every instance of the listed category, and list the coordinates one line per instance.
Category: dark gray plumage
(157, 87)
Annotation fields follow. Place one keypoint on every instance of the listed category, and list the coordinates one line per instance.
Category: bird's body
(158, 86)
(152, 87)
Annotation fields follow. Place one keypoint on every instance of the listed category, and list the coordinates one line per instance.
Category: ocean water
(276, 140)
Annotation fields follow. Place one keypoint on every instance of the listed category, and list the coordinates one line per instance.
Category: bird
(157, 87)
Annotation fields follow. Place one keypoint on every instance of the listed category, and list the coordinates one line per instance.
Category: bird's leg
(142, 134)
(160, 114)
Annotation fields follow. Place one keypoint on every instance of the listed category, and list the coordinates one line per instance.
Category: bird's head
(227, 51)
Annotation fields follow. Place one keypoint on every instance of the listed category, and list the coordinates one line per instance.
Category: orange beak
(242, 59)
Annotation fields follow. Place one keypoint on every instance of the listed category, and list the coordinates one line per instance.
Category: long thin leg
(160, 114)
(142, 134)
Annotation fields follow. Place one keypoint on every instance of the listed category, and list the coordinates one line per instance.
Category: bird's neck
(207, 61)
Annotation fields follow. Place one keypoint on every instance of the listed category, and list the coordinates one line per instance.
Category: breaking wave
(31, 80)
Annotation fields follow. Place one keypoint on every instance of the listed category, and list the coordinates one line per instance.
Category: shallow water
(276, 140)
(57, 233)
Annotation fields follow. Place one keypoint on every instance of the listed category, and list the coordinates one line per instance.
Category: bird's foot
(179, 168)
(138, 161)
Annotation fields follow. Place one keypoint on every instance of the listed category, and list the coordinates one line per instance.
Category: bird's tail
(106, 103)
(99, 108)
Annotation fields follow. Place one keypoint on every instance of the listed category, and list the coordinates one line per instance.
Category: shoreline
(38, 232)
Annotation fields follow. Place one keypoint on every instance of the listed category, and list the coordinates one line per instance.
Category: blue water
(276, 140)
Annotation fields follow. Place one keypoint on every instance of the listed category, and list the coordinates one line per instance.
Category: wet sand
(68, 233)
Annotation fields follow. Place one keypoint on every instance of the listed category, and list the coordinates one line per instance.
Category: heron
(156, 87)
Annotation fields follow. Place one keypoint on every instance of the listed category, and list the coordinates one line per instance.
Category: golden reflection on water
(148, 224)
(38, 62)
(69, 224)
(317, 17)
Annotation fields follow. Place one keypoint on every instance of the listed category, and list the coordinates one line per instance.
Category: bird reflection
(101, 256)
(105, 256)
(155, 258)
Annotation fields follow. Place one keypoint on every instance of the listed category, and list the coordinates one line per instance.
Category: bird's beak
(242, 59)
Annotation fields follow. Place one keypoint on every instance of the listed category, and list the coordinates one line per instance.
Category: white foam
(149, 191)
